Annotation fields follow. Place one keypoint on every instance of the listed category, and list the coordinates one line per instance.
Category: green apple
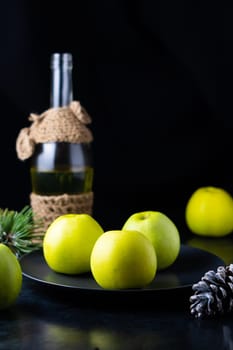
(123, 259)
(68, 243)
(162, 233)
(10, 277)
(209, 212)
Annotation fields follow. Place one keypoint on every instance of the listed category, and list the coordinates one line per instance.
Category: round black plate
(190, 266)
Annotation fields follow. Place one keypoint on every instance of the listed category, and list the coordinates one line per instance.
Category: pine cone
(213, 294)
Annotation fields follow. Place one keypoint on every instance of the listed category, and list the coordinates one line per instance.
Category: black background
(156, 77)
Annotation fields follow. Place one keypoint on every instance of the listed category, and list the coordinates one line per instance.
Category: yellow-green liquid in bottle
(59, 168)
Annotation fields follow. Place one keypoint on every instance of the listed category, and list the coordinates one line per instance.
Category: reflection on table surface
(222, 247)
(160, 332)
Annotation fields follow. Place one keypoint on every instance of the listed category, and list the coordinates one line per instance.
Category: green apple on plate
(123, 259)
(68, 243)
(161, 231)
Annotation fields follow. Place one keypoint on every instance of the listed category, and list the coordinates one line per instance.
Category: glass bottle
(61, 167)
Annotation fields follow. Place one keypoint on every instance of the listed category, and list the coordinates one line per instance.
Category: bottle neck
(61, 80)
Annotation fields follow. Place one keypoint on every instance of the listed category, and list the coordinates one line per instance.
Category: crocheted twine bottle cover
(63, 124)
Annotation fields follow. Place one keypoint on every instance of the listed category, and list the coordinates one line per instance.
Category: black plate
(190, 266)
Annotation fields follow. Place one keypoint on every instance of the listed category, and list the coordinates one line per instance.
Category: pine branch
(20, 230)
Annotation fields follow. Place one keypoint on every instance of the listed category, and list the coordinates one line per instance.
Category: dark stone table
(46, 317)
